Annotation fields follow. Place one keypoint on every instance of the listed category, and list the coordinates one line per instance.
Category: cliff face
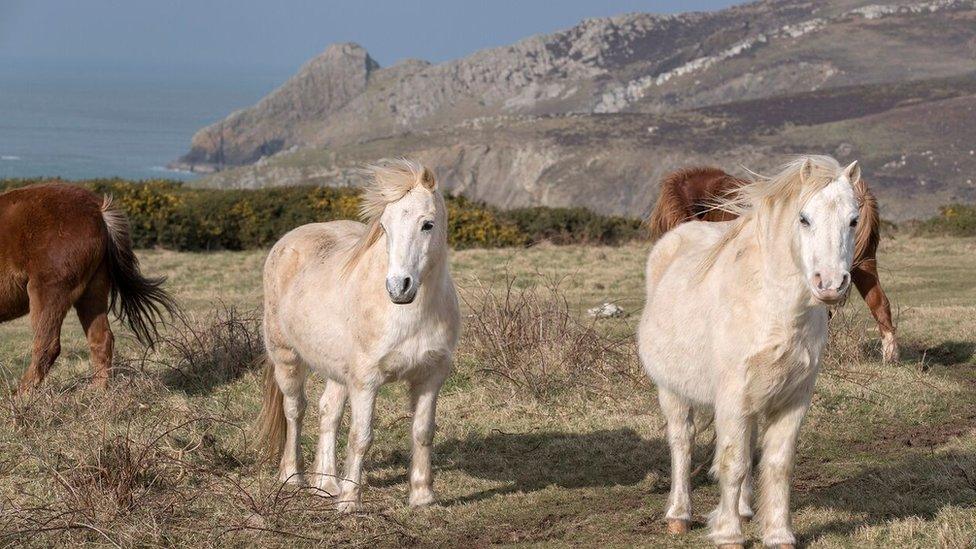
(290, 114)
(523, 124)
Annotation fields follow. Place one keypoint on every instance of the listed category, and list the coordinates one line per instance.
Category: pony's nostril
(406, 284)
(818, 281)
(845, 281)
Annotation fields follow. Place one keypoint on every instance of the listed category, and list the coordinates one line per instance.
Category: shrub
(572, 226)
(953, 220)
(532, 338)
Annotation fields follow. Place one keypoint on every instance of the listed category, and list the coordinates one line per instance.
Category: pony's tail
(138, 301)
(271, 422)
(669, 210)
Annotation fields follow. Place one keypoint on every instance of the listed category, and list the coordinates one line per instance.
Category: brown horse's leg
(92, 309)
(865, 277)
(48, 306)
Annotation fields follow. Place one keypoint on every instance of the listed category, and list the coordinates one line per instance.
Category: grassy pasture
(887, 456)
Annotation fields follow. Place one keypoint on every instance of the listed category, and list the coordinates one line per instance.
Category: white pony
(735, 321)
(362, 305)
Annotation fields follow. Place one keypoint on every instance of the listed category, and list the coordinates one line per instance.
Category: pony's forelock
(389, 181)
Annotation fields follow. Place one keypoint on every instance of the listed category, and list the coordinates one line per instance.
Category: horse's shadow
(532, 461)
(918, 485)
(946, 353)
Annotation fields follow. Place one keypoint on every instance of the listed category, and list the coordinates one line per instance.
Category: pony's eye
(804, 221)
(427, 225)
(854, 222)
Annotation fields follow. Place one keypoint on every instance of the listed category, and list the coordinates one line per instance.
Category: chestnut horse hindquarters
(63, 246)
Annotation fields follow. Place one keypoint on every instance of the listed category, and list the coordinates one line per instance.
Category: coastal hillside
(594, 115)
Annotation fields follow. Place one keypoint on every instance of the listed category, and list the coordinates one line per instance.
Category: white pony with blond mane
(735, 321)
(362, 305)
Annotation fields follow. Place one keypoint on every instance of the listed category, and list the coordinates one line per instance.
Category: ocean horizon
(74, 121)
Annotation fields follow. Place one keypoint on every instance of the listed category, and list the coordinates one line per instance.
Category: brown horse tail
(138, 301)
(669, 210)
(271, 422)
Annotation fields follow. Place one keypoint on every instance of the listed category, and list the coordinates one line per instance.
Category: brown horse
(689, 194)
(63, 246)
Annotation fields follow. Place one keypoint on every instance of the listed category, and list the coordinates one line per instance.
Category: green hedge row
(171, 215)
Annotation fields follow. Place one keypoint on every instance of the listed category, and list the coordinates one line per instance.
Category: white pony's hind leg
(681, 433)
(331, 405)
(361, 404)
(731, 455)
(290, 373)
(745, 496)
(423, 404)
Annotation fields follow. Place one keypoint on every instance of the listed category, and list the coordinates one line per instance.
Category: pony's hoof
(889, 349)
(785, 546)
(347, 507)
(421, 498)
(731, 546)
(678, 526)
(328, 485)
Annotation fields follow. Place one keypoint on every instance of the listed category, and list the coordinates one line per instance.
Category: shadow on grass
(947, 353)
(919, 485)
(532, 461)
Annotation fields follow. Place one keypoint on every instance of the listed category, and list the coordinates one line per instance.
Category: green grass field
(887, 456)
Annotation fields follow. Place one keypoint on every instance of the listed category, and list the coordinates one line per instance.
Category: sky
(283, 34)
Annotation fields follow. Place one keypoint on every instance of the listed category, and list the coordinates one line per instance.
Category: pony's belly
(688, 377)
(13, 298)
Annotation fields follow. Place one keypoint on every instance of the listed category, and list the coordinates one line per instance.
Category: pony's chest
(416, 343)
(786, 363)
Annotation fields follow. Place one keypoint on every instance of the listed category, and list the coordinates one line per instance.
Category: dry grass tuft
(201, 354)
(848, 341)
(533, 338)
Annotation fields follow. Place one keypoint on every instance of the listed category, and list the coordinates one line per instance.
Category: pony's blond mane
(766, 199)
(389, 181)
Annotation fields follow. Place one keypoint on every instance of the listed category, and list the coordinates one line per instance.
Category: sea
(78, 121)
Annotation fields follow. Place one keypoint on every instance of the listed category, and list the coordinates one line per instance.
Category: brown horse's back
(687, 194)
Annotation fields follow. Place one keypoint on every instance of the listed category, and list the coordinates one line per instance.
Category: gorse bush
(953, 220)
(171, 215)
(573, 225)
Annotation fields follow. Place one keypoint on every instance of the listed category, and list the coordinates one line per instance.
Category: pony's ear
(853, 172)
(428, 180)
(806, 170)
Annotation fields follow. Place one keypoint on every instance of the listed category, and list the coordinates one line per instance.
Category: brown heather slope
(593, 116)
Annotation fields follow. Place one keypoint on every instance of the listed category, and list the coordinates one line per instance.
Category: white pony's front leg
(745, 496)
(731, 453)
(681, 434)
(779, 446)
(331, 405)
(423, 403)
(361, 403)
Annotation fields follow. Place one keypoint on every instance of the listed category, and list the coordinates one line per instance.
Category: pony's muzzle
(830, 288)
(402, 289)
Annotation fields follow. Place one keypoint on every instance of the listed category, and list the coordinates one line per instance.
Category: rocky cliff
(592, 115)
